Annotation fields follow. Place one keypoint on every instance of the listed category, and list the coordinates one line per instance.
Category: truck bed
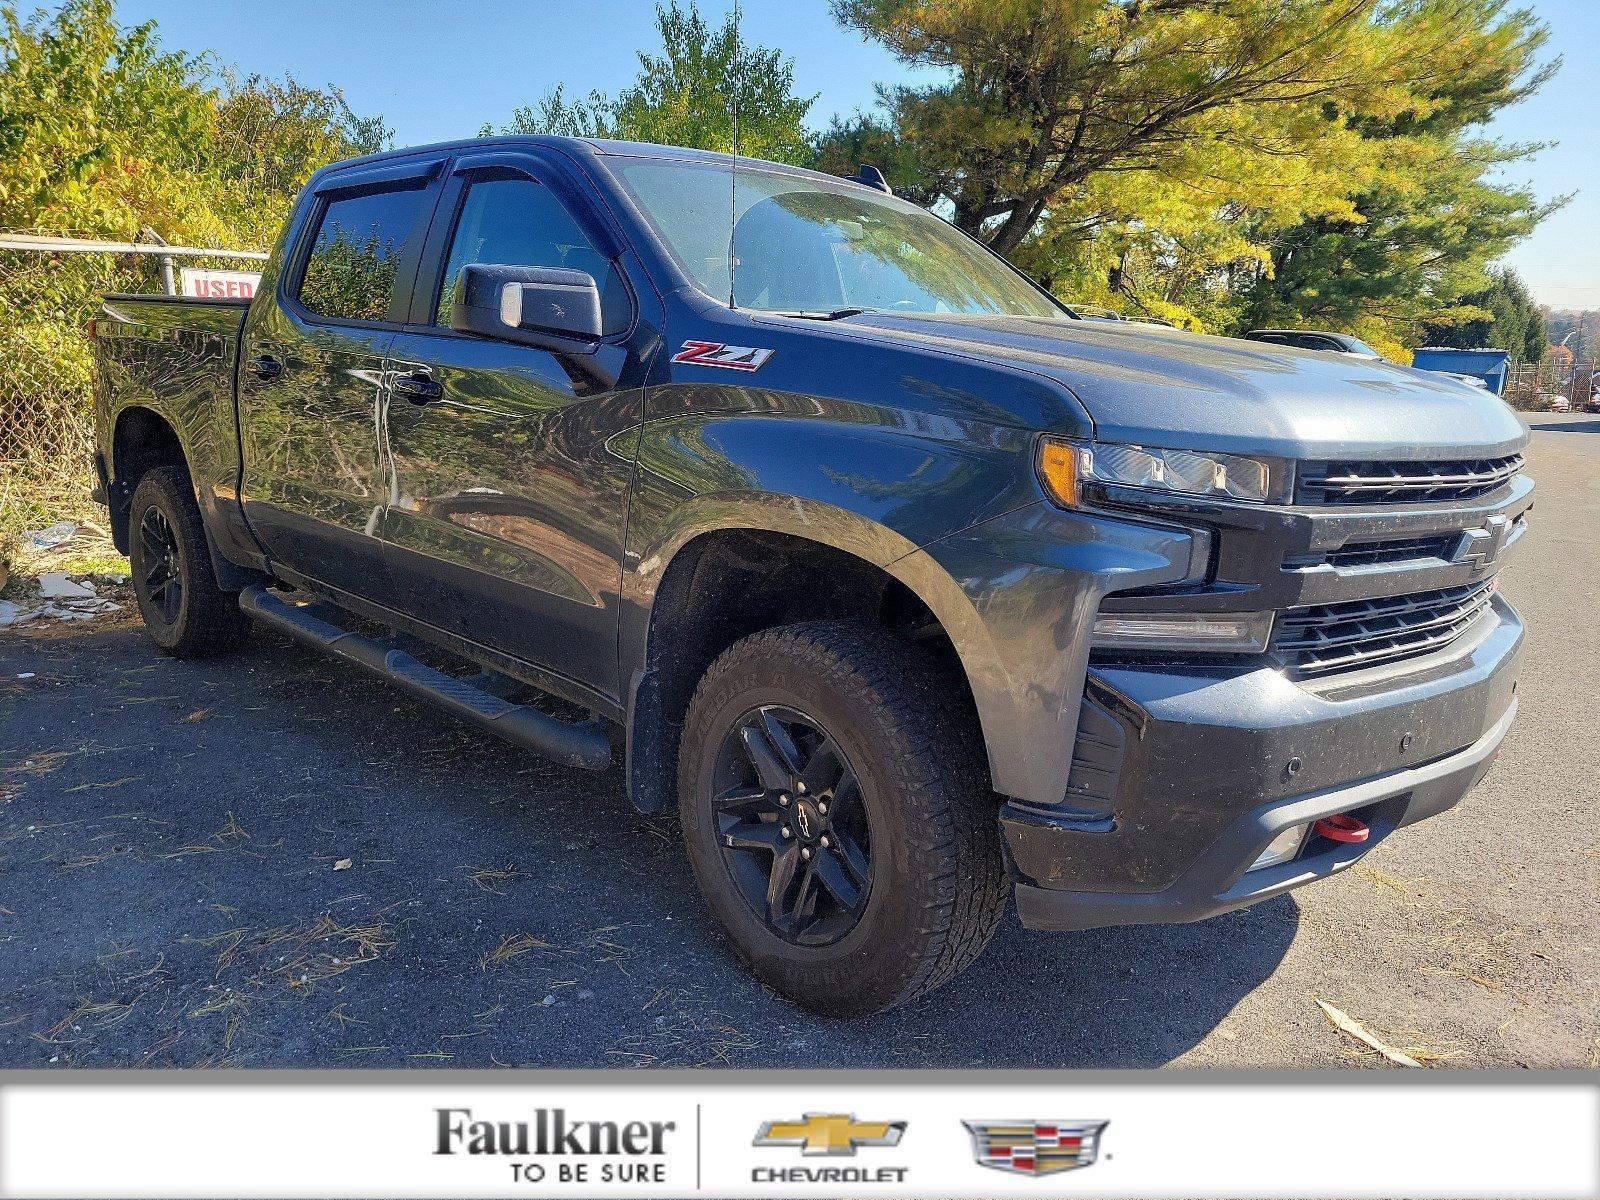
(176, 356)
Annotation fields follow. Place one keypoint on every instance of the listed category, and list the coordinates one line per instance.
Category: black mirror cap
(550, 307)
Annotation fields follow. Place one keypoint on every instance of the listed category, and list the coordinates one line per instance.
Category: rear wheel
(186, 613)
(838, 815)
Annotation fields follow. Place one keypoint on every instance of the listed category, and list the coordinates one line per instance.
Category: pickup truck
(909, 589)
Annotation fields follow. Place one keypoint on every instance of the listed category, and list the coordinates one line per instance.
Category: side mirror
(549, 307)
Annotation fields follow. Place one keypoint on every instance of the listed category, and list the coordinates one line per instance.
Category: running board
(569, 743)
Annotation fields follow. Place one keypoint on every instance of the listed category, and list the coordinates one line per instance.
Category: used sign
(209, 284)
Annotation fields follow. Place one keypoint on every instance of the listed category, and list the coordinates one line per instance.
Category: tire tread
(211, 622)
(940, 778)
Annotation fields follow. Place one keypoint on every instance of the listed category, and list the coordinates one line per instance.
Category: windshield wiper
(832, 315)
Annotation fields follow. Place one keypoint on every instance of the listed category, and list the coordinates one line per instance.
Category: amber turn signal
(1058, 471)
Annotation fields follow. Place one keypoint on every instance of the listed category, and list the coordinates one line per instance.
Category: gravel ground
(268, 860)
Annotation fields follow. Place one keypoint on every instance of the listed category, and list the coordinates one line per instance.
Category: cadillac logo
(1035, 1147)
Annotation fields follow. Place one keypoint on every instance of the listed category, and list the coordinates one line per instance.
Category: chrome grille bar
(1376, 482)
(1359, 633)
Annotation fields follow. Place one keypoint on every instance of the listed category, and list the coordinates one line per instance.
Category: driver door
(509, 468)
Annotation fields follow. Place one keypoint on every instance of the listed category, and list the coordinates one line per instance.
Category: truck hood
(1145, 384)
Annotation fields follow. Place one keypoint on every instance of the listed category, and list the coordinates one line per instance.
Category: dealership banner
(803, 1134)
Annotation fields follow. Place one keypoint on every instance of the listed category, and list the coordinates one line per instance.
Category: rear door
(312, 373)
(510, 477)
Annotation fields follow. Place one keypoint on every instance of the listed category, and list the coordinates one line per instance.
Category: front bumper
(1195, 770)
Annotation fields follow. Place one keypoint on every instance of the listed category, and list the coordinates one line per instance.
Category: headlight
(1219, 633)
(1065, 466)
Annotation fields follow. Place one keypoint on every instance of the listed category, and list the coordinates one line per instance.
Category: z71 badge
(716, 354)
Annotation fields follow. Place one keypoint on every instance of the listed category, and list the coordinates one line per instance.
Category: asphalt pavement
(270, 860)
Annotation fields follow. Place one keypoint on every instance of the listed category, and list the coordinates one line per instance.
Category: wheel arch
(141, 441)
(782, 560)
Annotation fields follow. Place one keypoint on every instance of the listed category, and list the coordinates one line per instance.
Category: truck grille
(1378, 553)
(1362, 633)
(1359, 482)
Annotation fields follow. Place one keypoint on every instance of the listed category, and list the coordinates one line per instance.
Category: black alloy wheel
(162, 584)
(185, 610)
(837, 813)
(791, 821)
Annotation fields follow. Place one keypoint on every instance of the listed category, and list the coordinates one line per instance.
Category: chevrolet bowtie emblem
(1483, 547)
(830, 1133)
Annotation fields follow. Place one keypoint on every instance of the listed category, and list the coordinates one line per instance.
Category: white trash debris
(64, 598)
(52, 535)
(58, 585)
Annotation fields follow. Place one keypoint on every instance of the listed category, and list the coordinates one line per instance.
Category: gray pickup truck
(910, 589)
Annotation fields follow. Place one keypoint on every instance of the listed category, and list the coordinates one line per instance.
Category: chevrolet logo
(835, 1134)
(1483, 547)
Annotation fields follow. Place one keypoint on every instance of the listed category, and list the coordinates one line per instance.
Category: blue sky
(438, 71)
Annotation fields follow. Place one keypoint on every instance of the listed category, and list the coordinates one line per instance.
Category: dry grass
(39, 489)
(688, 1028)
(485, 878)
(308, 953)
(511, 947)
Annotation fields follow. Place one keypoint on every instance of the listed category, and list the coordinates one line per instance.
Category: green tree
(1044, 95)
(1502, 316)
(267, 139)
(1428, 214)
(98, 126)
(687, 95)
(103, 132)
(1186, 157)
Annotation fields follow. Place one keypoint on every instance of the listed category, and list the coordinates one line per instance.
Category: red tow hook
(1343, 828)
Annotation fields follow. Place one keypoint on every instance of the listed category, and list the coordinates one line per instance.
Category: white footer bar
(266, 1136)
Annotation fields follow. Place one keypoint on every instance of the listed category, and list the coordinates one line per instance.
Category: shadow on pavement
(1567, 426)
(269, 860)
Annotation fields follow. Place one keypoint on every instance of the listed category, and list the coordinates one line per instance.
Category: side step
(570, 744)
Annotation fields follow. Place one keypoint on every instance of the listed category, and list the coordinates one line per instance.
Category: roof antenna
(733, 174)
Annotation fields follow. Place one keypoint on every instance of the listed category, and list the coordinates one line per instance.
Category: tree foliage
(1502, 316)
(97, 124)
(1429, 214)
(104, 133)
(687, 96)
(1213, 161)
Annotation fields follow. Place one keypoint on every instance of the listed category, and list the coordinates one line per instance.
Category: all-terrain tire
(167, 546)
(938, 886)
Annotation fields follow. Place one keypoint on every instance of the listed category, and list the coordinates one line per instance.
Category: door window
(513, 221)
(361, 241)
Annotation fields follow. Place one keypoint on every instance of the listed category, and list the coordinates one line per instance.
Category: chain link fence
(46, 372)
(47, 375)
(1543, 386)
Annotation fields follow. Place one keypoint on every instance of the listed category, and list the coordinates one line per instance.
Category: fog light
(1281, 848)
(1229, 633)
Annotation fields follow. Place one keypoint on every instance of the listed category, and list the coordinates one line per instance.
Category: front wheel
(185, 612)
(838, 816)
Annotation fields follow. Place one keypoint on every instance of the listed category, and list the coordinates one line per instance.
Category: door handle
(419, 387)
(264, 367)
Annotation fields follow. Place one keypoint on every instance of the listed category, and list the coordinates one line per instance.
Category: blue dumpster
(1488, 365)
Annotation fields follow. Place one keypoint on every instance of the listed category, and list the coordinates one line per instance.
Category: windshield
(1357, 346)
(809, 246)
